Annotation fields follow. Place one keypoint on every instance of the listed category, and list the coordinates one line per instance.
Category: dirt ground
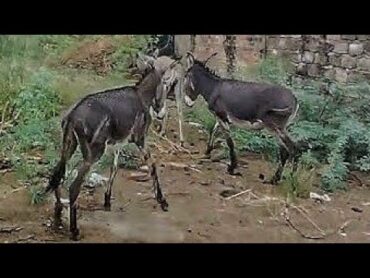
(197, 212)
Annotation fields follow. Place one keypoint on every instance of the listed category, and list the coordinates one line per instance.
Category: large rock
(329, 73)
(301, 69)
(348, 62)
(349, 37)
(355, 49)
(320, 58)
(341, 75)
(333, 37)
(363, 37)
(367, 47)
(341, 47)
(334, 59)
(364, 64)
(314, 70)
(312, 45)
(282, 43)
(308, 57)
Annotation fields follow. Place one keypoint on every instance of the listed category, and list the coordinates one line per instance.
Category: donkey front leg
(163, 124)
(154, 174)
(230, 143)
(178, 97)
(211, 140)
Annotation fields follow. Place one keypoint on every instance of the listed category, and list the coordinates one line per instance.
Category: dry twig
(238, 194)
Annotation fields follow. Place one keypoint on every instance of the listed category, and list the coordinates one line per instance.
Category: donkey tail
(59, 170)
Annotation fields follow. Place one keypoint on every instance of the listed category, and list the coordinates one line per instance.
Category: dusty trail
(197, 212)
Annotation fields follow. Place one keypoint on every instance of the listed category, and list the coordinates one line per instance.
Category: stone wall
(344, 58)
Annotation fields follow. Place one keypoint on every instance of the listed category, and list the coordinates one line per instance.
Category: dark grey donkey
(100, 120)
(248, 105)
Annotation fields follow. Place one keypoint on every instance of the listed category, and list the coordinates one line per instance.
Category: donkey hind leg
(284, 155)
(211, 139)
(230, 143)
(154, 174)
(91, 154)
(287, 151)
(69, 147)
(113, 173)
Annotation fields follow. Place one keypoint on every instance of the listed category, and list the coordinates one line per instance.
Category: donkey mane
(207, 69)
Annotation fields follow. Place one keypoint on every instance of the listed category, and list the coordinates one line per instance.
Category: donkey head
(191, 93)
(168, 79)
(144, 62)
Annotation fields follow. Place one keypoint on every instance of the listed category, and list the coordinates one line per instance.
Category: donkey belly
(245, 124)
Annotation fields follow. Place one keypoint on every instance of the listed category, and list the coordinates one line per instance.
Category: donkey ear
(189, 60)
(156, 53)
(206, 60)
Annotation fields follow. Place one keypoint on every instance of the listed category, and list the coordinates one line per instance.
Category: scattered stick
(25, 238)
(179, 193)
(345, 225)
(309, 219)
(10, 229)
(182, 166)
(17, 189)
(356, 178)
(2, 219)
(238, 194)
(287, 219)
(172, 144)
(3, 171)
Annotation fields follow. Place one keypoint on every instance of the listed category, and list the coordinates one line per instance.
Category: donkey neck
(205, 82)
(147, 88)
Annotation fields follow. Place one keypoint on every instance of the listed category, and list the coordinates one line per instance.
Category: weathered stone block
(330, 73)
(282, 43)
(320, 58)
(364, 64)
(367, 47)
(293, 44)
(340, 47)
(348, 37)
(348, 62)
(341, 75)
(308, 57)
(272, 42)
(354, 77)
(301, 69)
(333, 37)
(295, 58)
(334, 59)
(312, 45)
(363, 37)
(314, 70)
(355, 49)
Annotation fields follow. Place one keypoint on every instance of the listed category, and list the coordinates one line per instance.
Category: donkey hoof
(164, 205)
(57, 226)
(107, 207)
(231, 172)
(271, 182)
(75, 235)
